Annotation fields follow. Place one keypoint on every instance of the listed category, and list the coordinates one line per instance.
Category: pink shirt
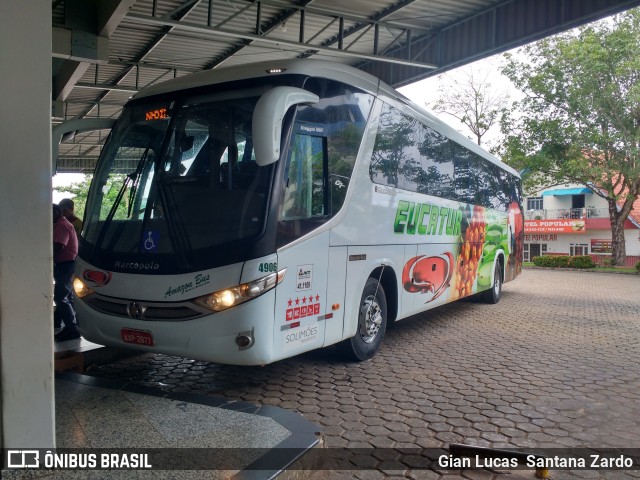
(64, 233)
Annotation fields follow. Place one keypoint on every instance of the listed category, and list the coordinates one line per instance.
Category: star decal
(297, 301)
(289, 303)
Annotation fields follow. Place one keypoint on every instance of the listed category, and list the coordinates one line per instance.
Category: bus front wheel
(372, 324)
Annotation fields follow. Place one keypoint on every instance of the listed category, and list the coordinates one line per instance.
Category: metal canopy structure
(106, 50)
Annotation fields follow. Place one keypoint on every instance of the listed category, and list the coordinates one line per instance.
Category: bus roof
(314, 68)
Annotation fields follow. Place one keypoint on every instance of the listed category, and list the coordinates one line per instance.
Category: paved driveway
(555, 364)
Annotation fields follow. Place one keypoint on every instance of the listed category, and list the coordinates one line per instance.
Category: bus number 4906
(268, 267)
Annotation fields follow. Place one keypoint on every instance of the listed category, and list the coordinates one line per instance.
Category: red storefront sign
(601, 246)
(540, 238)
(554, 226)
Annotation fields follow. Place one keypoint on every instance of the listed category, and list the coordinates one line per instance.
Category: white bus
(246, 215)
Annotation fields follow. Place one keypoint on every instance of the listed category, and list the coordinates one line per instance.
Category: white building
(572, 220)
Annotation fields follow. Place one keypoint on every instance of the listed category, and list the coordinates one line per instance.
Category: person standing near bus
(65, 250)
(67, 206)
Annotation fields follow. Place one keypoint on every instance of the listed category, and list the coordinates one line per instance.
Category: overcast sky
(426, 92)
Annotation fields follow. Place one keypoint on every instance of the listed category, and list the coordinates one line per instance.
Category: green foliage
(560, 261)
(564, 261)
(580, 110)
(540, 261)
(579, 120)
(551, 261)
(638, 267)
(79, 192)
(584, 261)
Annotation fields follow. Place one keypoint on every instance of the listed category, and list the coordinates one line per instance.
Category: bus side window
(306, 193)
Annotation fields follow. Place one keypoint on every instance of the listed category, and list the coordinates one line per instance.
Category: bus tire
(493, 294)
(372, 324)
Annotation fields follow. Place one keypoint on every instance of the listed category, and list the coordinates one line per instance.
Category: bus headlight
(230, 297)
(80, 289)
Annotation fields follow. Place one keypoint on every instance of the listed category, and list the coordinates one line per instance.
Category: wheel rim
(497, 284)
(370, 319)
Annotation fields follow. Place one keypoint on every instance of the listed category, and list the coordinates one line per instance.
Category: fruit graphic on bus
(484, 275)
(424, 274)
(473, 239)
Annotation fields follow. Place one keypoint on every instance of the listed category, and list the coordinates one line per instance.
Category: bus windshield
(178, 179)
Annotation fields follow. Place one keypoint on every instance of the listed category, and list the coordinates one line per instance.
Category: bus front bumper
(212, 338)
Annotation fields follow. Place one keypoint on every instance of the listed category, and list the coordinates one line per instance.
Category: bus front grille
(143, 310)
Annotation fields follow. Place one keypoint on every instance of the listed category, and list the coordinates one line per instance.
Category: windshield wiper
(131, 179)
(175, 228)
(135, 181)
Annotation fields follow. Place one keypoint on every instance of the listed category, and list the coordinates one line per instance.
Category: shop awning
(566, 191)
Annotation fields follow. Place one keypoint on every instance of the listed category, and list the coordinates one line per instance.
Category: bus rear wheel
(372, 324)
(495, 292)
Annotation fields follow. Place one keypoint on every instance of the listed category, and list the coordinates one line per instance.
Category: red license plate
(137, 337)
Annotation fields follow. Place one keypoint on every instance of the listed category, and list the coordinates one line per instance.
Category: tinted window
(321, 155)
(305, 195)
(396, 158)
(413, 156)
(436, 175)
(340, 117)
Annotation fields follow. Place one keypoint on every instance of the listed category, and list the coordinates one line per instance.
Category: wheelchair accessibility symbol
(150, 240)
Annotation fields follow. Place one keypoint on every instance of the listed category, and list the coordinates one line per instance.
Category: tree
(579, 121)
(473, 100)
(79, 192)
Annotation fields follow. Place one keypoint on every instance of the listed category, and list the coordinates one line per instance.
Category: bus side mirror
(267, 120)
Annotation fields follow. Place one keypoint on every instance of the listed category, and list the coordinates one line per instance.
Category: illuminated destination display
(157, 114)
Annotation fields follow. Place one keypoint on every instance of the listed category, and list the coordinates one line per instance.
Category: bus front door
(301, 302)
